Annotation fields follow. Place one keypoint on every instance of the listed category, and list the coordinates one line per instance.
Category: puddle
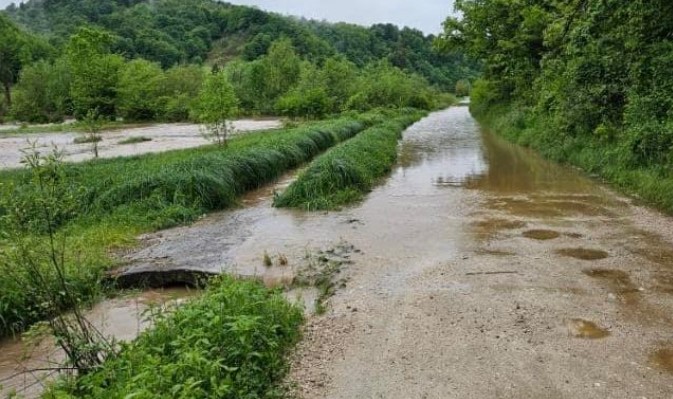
(583, 253)
(122, 318)
(579, 328)
(618, 282)
(663, 359)
(541, 235)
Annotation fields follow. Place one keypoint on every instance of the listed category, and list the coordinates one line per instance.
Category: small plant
(135, 140)
(87, 139)
(267, 260)
(93, 124)
(282, 260)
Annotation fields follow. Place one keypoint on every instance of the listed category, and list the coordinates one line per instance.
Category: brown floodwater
(25, 362)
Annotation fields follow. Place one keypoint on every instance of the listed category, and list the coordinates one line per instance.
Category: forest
(147, 61)
(584, 82)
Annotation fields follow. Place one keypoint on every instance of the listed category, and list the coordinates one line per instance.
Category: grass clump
(135, 140)
(230, 343)
(87, 139)
(348, 171)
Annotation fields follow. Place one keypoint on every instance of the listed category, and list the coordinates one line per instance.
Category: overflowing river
(480, 271)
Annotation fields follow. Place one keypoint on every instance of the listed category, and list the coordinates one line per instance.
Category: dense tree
(139, 90)
(43, 92)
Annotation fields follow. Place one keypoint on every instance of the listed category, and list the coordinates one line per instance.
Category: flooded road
(479, 270)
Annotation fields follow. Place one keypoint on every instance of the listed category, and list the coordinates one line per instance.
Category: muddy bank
(162, 137)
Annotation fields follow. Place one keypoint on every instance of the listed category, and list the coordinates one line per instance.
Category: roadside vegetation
(588, 83)
(229, 343)
(348, 171)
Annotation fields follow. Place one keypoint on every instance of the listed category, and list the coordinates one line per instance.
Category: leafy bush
(230, 343)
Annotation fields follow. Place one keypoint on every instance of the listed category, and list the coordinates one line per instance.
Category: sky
(426, 15)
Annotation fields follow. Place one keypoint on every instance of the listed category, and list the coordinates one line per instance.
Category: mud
(163, 137)
(586, 329)
(663, 359)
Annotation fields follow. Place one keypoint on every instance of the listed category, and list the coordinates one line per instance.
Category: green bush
(230, 343)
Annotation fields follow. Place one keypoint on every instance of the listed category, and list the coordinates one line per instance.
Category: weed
(282, 260)
(87, 139)
(267, 260)
(135, 140)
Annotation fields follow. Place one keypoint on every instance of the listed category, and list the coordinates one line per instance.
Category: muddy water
(24, 363)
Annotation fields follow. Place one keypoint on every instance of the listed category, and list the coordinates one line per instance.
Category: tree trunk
(8, 94)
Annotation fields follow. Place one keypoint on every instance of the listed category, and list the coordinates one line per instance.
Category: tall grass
(117, 199)
(348, 171)
(230, 343)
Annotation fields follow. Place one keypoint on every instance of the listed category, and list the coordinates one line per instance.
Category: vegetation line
(348, 171)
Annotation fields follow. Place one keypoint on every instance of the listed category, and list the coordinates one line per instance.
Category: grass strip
(230, 343)
(118, 199)
(348, 171)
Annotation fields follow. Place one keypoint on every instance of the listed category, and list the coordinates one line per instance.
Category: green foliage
(230, 343)
(216, 106)
(43, 93)
(181, 86)
(94, 71)
(383, 85)
(584, 82)
(350, 170)
(138, 90)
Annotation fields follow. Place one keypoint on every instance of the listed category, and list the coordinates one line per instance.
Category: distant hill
(206, 31)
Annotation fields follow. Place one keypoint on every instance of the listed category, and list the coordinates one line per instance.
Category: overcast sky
(426, 15)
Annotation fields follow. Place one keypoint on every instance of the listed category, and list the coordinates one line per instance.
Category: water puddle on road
(580, 328)
(583, 253)
(541, 235)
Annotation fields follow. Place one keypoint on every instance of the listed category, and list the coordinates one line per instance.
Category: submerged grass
(117, 199)
(348, 171)
(230, 343)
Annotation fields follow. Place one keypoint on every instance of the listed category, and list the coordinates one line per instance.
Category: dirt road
(163, 137)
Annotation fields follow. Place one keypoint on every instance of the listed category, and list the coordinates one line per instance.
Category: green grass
(347, 172)
(117, 199)
(230, 343)
(68, 127)
(595, 155)
(135, 140)
(87, 139)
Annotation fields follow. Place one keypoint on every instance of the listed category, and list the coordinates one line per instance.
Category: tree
(43, 93)
(139, 89)
(216, 106)
(95, 72)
